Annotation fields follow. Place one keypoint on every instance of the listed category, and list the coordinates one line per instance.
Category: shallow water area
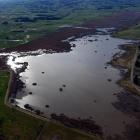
(79, 83)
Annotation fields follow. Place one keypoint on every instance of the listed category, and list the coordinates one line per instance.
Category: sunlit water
(88, 91)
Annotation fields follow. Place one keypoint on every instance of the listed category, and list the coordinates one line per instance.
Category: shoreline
(41, 117)
(7, 103)
(124, 61)
(127, 61)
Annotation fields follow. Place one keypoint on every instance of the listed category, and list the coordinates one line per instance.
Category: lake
(79, 83)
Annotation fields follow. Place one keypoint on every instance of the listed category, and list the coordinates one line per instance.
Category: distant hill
(55, 5)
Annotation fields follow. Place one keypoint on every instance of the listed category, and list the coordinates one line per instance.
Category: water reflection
(78, 83)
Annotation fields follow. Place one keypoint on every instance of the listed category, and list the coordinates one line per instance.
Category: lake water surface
(88, 84)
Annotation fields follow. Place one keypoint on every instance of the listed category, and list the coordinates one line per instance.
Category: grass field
(19, 31)
(51, 130)
(15, 125)
(131, 33)
(28, 20)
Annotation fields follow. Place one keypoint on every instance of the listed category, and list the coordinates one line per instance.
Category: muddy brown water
(78, 83)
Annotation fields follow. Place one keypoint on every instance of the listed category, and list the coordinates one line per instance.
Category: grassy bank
(131, 33)
(15, 125)
(51, 130)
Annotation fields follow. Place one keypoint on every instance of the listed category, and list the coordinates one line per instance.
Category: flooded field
(79, 83)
